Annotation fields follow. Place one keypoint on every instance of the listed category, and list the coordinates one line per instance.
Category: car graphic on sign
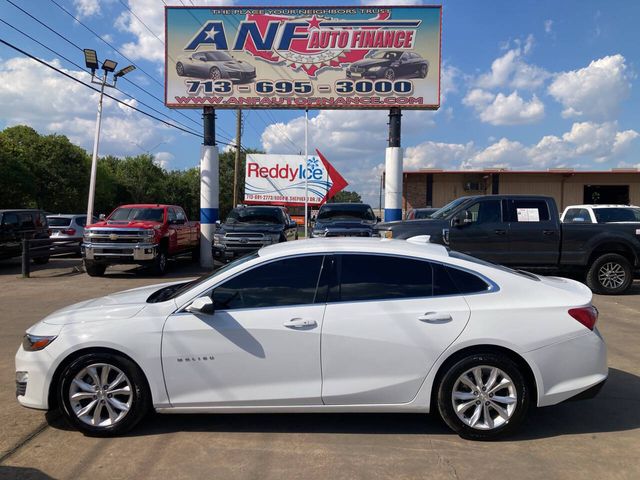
(389, 65)
(216, 66)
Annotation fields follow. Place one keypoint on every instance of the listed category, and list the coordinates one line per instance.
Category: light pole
(91, 61)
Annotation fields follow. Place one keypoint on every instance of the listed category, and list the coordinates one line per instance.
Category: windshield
(255, 215)
(174, 291)
(609, 215)
(218, 56)
(386, 55)
(448, 208)
(130, 214)
(346, 212)
(59, 221)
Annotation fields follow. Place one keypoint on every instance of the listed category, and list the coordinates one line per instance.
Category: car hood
(238, 65)
(124, 224)
(344, 224)
(116, 306)
(250, 227)
(371, 62)
(416, 223)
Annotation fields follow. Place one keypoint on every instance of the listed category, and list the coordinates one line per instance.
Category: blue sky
(527, 85)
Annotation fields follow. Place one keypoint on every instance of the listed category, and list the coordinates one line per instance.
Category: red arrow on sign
(337, 181)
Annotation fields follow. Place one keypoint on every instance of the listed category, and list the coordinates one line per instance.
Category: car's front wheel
(389, 74)
(610, 274)
(423, 71)
(94, 269)
(483, 396)
(214, 74)
(180, 69)
(103, 394)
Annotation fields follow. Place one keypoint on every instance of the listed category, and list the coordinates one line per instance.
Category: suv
(344, 220)
(67, 231)
(16, 225)
(249, 228)
(600, 214)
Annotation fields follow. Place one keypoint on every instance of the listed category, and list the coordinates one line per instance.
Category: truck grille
(348, 233)
(118, 236)
(246, 240)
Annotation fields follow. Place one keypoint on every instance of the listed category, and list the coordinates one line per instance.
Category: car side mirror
(293, 225)
(378, 219)
(201, 305)
(102, 217)
(462, 218)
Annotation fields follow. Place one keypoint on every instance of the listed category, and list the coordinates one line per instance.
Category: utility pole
(236, 165)
(393, 169)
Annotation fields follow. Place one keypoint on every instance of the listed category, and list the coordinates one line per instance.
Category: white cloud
(148, 41)
(511, 70)
(595, 91)
(87, 8)
(503, 109)
(548, 26)
(437, 155)
(163, 159)
(35, 95)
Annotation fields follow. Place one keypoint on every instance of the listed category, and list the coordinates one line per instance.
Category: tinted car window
(290, 281)
(356, 211)
(378, 277)
(529, 211)
(180, 215)
(150, 214)
(59, 221)
(577, 215)
(607, 215)
(486, 212)
(82, 221)
(26, 219)
(257, 215)
(10, 219)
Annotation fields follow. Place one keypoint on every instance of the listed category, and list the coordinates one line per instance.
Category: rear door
(9, 235)
(486, 236)
(384, 328)
(534, 236)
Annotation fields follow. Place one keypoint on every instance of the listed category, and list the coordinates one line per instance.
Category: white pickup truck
(600, 214)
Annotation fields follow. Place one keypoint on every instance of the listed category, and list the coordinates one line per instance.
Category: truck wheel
(160, 262)
(610, 274)
(94, 269)
(41, 260)
(195, 254)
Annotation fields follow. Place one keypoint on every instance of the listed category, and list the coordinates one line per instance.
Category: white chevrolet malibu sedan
(322, 325)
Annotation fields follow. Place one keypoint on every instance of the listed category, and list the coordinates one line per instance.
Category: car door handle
(435, 317)
(300, 323)
(500, 231)
(548, 232)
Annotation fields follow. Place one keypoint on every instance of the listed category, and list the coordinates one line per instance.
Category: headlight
(318, 233)
(149, 233)
(33, 343)
(386, 233)
(218, 237)
(375, 69)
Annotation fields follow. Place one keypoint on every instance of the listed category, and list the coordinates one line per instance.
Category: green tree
(345, 196)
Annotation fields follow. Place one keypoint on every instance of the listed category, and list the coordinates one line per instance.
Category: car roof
(346, 204)
(66, 215)
(18, 210)
(356, 245)
(601, 205)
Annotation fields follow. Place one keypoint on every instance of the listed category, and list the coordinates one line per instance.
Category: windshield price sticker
(528, 214)
(303, 57)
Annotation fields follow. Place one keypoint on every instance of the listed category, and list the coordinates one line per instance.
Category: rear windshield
(59, 221)
(255, 215)
(147, 214)
(608, 215)
(469, 258)
(346, 212)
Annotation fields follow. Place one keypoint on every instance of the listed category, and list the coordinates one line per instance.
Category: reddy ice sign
(280, 179)
(303, 57)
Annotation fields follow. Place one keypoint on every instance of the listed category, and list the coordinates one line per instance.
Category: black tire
(195, 254)
(389, 74)
(215, 74)
(160, 263)
(94, 269)
(41, 260)
(424, 70)
(610, 274)
(139, 398)
(483, 431)
(180, 69)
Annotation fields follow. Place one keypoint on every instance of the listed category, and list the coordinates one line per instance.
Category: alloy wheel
(214, 74)
(100, 395)
(389, 74)
(611, 275)
(484, 397)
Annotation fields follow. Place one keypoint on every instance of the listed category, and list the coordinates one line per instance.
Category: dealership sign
(303, 57)
(281, 179)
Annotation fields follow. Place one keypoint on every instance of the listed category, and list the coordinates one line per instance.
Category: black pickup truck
(525, 232)
(249, 228)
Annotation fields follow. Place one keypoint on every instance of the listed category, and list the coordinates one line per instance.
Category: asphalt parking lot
(598, 438)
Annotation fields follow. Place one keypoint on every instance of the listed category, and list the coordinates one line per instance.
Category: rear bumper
(590, 392)
(570, 368)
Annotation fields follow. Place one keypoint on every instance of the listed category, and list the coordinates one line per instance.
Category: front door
(384, 327)
(534, 236)
(261, 346)
(486, 234)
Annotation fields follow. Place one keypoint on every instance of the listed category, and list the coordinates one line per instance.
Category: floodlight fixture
(109, 65)
(91, 59)
(123, 71)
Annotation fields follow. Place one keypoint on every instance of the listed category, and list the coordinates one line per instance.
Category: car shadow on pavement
(614, 409)
(16, 473)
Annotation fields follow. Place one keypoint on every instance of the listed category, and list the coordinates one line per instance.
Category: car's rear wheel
(180, 69)
(94, 269)
(610, 274)
(214, 74)
(160, 262)
(103, 394)
(423, 71)
(483, 396)
(389, 74)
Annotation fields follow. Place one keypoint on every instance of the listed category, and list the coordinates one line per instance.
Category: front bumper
(135, 252)
(34, 393)
(366, 74)
(569, 368)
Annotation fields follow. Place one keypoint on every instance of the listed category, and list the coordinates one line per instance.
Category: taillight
(585, 315)
(69, 231)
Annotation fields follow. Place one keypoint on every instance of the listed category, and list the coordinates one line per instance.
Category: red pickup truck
(146, 234)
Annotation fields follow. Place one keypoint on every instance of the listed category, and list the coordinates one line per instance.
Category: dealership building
(435, 188)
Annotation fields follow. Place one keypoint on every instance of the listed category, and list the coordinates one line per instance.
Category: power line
(140, 20)
(33, 57)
